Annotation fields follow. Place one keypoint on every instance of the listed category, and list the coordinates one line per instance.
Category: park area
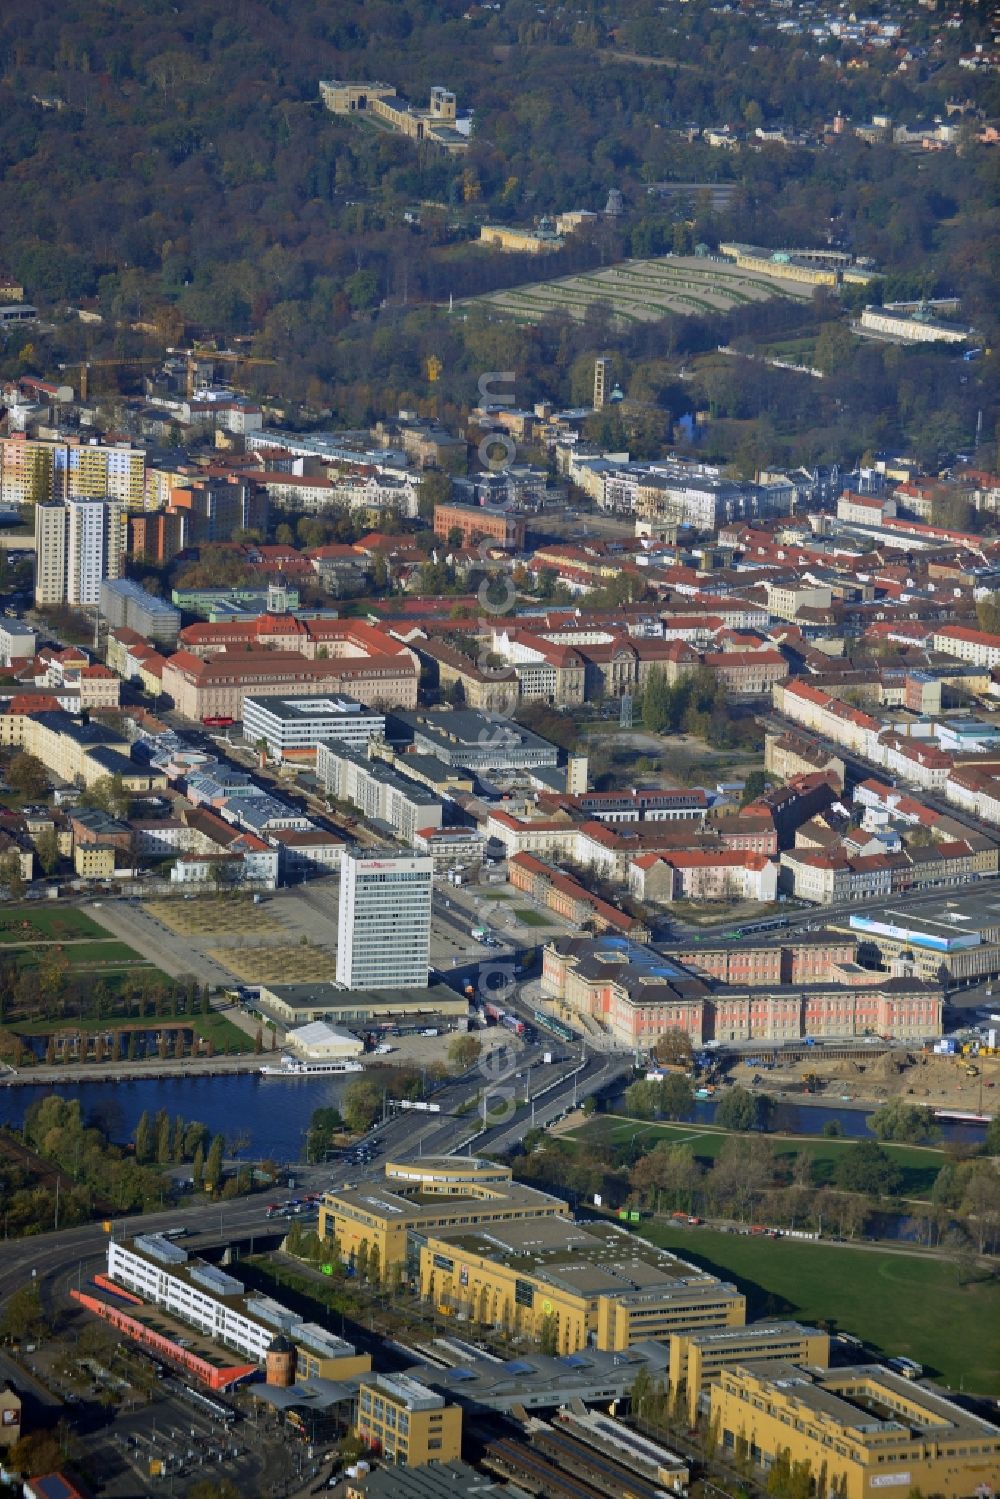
(55, 948)
(900, 1303)
(919, 1164)
(939, 1305)
(644, 290)
(31, 924)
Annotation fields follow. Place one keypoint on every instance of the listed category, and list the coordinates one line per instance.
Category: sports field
(644, 290)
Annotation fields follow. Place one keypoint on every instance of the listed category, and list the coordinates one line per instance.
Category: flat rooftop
(943, 925)
(295, 709)
(591, 1259)
(407, 1391)
(753, 1332)
(437, 1209)
(326, 995)
(871, 1401)
(537, 1381)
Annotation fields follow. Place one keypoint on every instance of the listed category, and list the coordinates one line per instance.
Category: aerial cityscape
(500, 749)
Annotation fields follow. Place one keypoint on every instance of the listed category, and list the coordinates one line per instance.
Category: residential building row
(968, 778)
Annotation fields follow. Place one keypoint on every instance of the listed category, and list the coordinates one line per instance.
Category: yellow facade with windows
(312, 1365)
(406, 1423)
(863, 1429)
(570, 1285)
(426, 1196)
(94, 861)
(697, 1358)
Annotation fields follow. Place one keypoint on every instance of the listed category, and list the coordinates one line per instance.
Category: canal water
(273, 1113)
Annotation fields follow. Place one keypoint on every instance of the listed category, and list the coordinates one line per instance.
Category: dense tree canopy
(176, 163)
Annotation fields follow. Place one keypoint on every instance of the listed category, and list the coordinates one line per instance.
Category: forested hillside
(174, 162)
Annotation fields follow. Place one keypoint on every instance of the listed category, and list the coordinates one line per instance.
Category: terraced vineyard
(643, 290)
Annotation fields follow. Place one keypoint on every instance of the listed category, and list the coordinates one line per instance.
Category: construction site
(963, 1083)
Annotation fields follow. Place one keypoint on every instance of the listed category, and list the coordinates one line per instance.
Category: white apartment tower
(384, 928)
(78, 544)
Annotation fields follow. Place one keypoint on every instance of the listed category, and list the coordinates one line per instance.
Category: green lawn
(898, 1303)
(222, 1032)
(85, 955)
(44, 924)
(532, 918)
(215, 1028)
(919, 1164)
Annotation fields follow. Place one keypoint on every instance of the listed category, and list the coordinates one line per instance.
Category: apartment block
(17, 642)
(78, 544)
(380, 793)
(33, 470)
(125, 603)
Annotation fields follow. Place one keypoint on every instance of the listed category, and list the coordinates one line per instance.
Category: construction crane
(86, 365)
(198, 355)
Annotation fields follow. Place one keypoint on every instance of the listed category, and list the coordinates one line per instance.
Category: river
(273, 1113)
(789, 1118)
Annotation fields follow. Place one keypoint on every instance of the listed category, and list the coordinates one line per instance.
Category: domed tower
(280, 1359)
(277, 595)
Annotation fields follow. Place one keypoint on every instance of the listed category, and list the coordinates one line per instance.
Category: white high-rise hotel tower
(384, 928)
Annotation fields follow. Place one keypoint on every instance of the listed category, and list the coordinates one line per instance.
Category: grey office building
(126, 604)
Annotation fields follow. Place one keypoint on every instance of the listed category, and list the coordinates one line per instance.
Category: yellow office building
(406, 1423)
(572, 1285)
(697, 1358)
(861, 1429)
(425, 1196)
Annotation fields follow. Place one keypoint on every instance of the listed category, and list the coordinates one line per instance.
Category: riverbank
(141, 1069)
(964, 1083)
